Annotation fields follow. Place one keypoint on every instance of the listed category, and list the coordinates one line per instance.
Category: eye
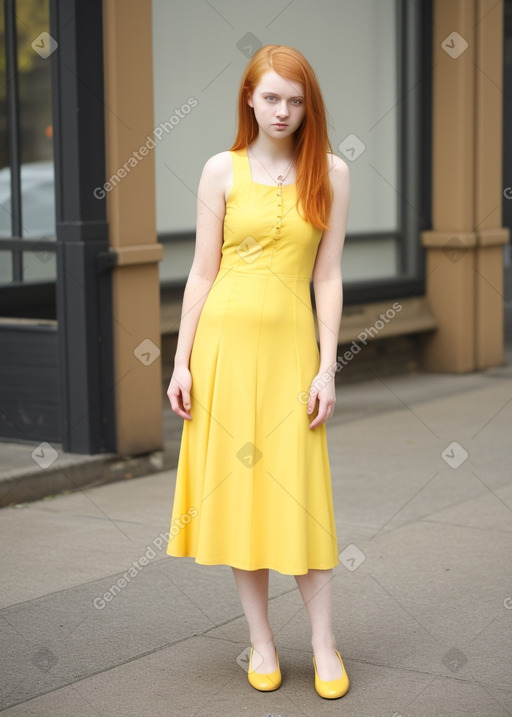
(297, 102)
(271, 98)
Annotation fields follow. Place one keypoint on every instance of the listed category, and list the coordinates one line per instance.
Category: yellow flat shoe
(264, 682)
(332, 689)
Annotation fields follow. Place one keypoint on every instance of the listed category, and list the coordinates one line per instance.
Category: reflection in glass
(35, 124)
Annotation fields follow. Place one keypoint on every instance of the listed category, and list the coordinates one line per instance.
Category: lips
(279, 124)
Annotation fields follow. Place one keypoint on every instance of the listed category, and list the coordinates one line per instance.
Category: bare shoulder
(217, 176)
(339, 175)
(337, 166)
(218, 166)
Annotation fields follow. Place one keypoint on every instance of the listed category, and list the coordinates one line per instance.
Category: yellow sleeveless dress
(253, 485)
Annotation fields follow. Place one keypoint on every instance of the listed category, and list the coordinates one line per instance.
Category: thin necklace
(281, 177)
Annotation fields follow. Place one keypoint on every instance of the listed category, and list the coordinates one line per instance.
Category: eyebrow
(276, 94)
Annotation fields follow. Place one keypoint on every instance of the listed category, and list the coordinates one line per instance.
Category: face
(278, 104)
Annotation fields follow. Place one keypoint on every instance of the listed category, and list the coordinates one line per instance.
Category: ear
(249, 100)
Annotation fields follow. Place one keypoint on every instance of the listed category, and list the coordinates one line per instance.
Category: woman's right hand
(179, 391)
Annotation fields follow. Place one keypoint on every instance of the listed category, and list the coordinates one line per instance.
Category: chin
(285, 131)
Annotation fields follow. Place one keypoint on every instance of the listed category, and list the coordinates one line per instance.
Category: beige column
(489, 290)
(132, 229)
(465, 247)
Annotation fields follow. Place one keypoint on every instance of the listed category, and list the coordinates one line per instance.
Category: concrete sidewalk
(423, 594)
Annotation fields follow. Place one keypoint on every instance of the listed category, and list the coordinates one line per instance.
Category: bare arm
(211, 209)
(329, 293)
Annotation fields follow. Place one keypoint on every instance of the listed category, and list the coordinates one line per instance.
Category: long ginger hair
(314, 190)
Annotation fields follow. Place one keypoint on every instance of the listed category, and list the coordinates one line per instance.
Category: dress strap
(241, 169)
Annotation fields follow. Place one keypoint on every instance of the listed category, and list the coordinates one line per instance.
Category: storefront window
(29, 114)
(367, 59)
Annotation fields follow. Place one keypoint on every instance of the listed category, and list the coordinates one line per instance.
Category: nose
(282, 110)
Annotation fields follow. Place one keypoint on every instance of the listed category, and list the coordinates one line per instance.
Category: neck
(273, 150)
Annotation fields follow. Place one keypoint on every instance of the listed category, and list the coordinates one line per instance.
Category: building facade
(111, 108)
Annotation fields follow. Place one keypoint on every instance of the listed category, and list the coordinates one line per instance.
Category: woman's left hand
(323, 392)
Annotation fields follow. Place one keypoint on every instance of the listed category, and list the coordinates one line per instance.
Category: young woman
(253, 487)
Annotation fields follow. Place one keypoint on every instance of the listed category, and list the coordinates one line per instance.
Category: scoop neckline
(260, 184)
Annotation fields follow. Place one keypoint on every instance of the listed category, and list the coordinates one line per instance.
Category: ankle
(323, 642)
(263, 641)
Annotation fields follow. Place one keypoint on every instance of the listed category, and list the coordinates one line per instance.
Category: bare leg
(253, 591)
(316, 590)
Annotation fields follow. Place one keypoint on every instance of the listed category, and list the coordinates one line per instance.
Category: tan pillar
(489, 290)
(132, 229)
(464, 248)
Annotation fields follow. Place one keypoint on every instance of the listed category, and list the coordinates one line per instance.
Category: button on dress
(253, 484)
